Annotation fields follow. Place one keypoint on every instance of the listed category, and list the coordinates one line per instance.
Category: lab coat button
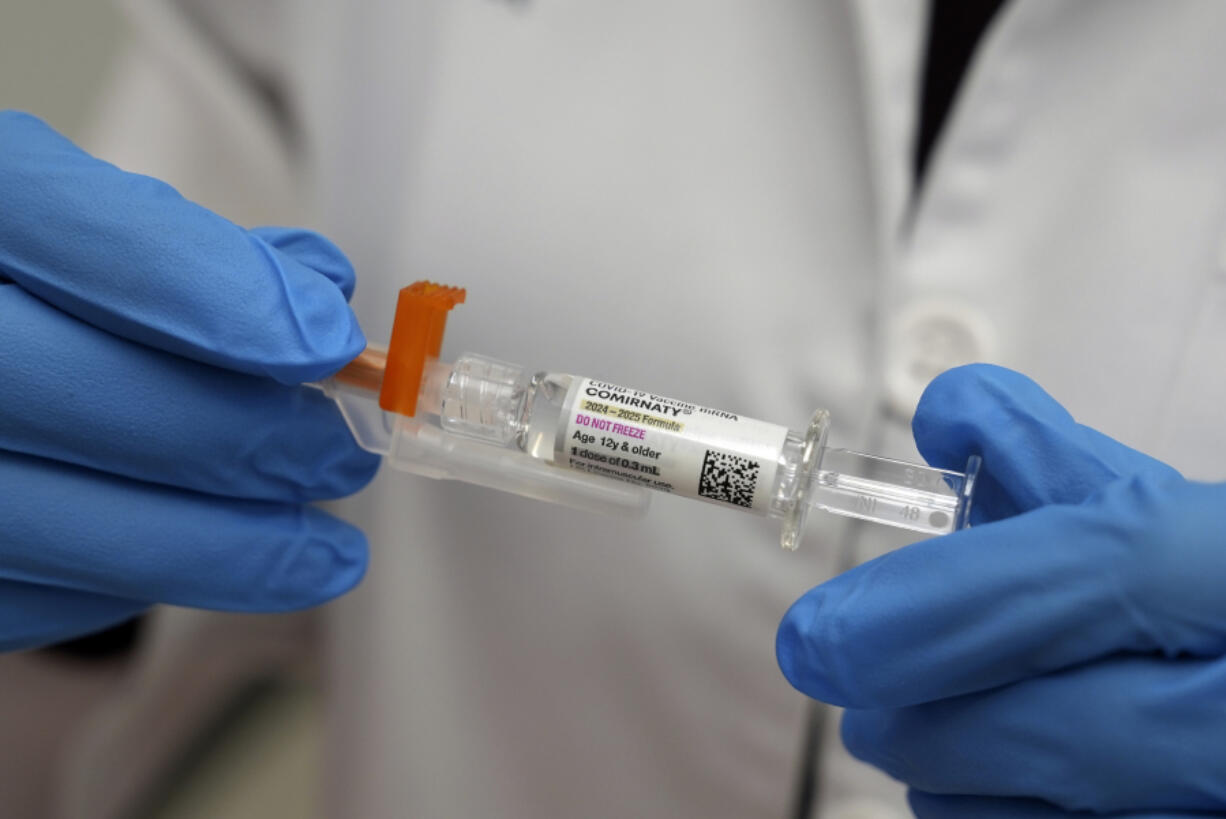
(927, 338)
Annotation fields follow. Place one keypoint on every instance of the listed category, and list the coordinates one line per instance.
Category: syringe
(600, 446)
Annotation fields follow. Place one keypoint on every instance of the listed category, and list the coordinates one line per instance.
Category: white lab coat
(711, 200)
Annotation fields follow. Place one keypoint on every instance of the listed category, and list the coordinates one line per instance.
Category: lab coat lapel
(889, 42)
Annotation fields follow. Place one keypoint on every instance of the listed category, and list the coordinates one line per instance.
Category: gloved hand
(1067, 653)
(154, 444)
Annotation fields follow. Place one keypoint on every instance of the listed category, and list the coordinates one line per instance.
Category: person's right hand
(155, 442)
(1065, 657)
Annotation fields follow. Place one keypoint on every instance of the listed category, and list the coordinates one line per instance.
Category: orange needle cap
(417, 334)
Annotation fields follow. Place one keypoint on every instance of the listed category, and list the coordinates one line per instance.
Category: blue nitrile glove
(1068, 653)
(154, 444)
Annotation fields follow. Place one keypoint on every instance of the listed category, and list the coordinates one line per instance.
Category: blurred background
(54, 56)
(253, 748)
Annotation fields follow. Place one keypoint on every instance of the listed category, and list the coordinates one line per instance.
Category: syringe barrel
(674, 446)
(420, 445)
(562, 437)
(618, 433)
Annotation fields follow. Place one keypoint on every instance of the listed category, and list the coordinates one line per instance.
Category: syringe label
(669, 445)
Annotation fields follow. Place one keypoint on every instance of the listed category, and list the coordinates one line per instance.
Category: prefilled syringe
(602, 446)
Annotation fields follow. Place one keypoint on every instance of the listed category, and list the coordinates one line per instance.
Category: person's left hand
(1066, 654)
(155, 443)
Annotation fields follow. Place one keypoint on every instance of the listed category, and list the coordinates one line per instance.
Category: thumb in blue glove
(154, 443)
(1067, 653)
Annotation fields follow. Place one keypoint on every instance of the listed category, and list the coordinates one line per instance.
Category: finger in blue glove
(1041, 654)
(933, 806)
(128, 254)
(154, 442)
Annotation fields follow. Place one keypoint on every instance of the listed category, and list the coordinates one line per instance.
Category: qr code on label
(728, 478)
